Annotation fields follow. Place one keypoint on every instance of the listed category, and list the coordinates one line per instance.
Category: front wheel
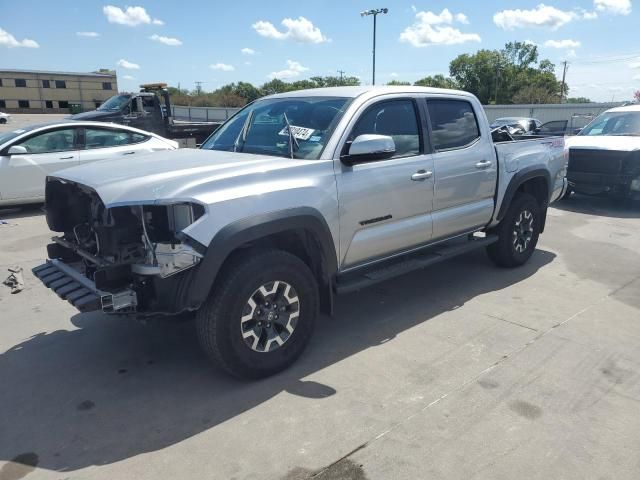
(517, 233)
(261, 314)
(3, 120)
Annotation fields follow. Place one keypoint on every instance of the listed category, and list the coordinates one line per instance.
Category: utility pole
(497, 80)
(341, 72)
(198, 87)
(375, 12)
(564, 76)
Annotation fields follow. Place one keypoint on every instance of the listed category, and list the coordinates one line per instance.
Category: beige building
(29, 91)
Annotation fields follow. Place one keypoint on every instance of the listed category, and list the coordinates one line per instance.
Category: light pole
(374, 12)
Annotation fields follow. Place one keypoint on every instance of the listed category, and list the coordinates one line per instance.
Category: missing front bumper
(79, 291)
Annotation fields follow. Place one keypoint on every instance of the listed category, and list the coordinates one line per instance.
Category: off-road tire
(505, 252)
(219, 324)
(3, 120)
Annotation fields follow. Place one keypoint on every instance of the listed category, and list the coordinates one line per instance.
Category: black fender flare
(253, 228)
(517, 180)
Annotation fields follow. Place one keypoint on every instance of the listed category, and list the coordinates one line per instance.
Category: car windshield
(6, 136)
(615, 124)
(261, 127)
(115, 103)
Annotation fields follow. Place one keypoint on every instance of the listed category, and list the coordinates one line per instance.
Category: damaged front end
(124, 259)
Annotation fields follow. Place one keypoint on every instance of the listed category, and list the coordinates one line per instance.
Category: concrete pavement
(459, 371)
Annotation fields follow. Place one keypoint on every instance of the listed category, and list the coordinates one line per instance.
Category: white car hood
(604, 142)
(185, 174)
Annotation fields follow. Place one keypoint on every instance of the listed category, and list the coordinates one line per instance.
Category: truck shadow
(601, 206)
(112, 388)
(23, 211)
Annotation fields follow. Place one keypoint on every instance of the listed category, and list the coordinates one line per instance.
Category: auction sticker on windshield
(300, 133)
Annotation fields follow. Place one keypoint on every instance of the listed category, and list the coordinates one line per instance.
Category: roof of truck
(626, 108)
(353, 92)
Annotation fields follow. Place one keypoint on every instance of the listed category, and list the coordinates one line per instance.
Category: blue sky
(188, 41)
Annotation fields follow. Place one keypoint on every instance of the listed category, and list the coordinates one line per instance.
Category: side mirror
(369, 148)
(17, 150)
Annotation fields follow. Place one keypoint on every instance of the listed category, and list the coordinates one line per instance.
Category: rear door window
(104, 138)
(453, 124)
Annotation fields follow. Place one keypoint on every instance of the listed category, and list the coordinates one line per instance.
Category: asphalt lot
(460, 371)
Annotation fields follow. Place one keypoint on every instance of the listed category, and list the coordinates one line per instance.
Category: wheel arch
(533, 180)
(300, 231)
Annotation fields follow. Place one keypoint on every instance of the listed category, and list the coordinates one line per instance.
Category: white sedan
(4, 117)
(29, 154)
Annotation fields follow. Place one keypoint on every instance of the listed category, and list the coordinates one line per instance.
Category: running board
(385, 270)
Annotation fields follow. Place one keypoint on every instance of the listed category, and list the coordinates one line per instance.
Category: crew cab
(604, 158)
(298, 197)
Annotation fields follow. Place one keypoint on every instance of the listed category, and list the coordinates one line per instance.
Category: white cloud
(634, 64)
(393, 75)
(562, 43)
(222, 67)
(128, 77)
(615, 7)
(541, 16)
(530, 42)
(414, 9)
(128, 65)
(636, 77)
(462, 18)
(88, 34)
(433, 29)
(131, 16)
(248, 64)
(173, 42)
(300, 30)
(588, 15)
(294, 69)
(248, 51)
(9, 41)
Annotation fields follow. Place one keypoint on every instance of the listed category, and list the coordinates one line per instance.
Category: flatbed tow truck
(150, 110)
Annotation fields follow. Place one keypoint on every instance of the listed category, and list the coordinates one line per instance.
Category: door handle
(128, 153)
(66, 158)
(483, 164)
(421, 175)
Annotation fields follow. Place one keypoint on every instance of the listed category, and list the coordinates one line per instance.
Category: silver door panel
(388, 238)
(461, 218)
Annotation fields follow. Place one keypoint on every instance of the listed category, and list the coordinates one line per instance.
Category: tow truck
(150, 110)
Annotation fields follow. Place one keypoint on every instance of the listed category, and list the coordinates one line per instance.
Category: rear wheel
(3, 120)
(517, 233)
(261, 314)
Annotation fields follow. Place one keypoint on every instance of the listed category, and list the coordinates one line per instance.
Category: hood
(172, 175)
(93, 115)
(603, 142)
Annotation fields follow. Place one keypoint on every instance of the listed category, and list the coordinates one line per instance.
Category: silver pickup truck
(299, 197)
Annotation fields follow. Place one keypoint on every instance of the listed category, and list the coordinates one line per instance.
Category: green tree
(579, 100)
(498, 76)
(437, 81)
(398, 83)
(247, 91)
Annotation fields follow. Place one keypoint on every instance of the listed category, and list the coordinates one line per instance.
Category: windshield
(614, 123)
(261, 127)
(115, 103)
(5, 137)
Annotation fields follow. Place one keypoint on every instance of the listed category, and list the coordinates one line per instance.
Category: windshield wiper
(292, 138)
(243, 132)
